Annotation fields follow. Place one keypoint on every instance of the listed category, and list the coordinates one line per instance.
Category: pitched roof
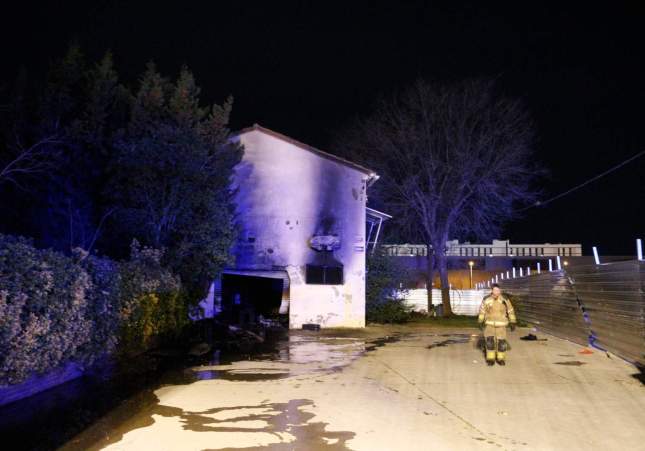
(320, 153)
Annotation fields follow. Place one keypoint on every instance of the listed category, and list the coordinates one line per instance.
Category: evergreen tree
(83, 106)
(171, 177)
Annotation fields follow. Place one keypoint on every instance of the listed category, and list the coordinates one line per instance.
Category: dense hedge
(384, 298)
(55, 308)
(44, 318)
(152, 304)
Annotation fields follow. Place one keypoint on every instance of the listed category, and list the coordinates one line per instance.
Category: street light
(471, 264)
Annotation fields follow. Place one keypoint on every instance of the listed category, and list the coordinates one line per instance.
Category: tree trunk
(442, 266)
(429, 274)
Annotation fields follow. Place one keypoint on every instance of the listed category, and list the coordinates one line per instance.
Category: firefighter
(495, 314)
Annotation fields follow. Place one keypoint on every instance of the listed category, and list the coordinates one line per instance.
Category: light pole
(471, 264)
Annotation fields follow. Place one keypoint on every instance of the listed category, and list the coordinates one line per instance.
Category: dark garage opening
(245, 298)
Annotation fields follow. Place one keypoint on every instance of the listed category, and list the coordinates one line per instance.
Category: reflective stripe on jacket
(496, 312)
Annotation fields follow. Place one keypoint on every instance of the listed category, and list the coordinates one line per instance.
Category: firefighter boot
(502, 346)
(490, 351)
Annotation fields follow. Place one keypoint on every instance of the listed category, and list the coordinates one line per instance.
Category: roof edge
(256, 127)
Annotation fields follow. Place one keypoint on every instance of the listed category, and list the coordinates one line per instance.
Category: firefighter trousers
(496, 343)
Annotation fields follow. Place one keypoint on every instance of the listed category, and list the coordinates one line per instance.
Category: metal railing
(600, 304)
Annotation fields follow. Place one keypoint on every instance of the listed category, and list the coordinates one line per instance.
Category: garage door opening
(245, 298)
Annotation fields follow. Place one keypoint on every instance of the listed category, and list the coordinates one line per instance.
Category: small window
(324, 275)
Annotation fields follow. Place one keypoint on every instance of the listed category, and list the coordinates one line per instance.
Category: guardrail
(599, 304)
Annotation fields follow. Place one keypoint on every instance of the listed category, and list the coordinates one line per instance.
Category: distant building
(469, 263)
(498, 248)
(301, 249)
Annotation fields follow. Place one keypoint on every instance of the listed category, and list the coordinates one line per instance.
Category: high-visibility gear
(496, 313)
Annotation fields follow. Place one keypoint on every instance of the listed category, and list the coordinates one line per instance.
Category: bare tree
(455, 161)
(28, 161)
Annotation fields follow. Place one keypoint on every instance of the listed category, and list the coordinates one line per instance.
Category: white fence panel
(463, 302)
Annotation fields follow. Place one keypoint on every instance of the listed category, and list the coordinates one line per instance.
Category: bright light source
(565, 263)
(471, 263)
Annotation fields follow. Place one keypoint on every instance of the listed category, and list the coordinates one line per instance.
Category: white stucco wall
(285, 195)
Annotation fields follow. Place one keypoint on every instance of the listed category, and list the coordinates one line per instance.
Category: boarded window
(324, 275)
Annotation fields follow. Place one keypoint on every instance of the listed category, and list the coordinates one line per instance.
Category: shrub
(55, 309)
(152, 303)
(385, 300)
(43, 309)
(104, 304)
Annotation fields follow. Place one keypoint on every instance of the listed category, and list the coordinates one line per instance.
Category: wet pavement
(402, 388)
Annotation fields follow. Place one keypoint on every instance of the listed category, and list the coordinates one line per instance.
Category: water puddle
(294, 356)
(279, 419)
(453, 340)
(372, 345)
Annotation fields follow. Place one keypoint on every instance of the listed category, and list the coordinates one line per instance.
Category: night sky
(306, 71)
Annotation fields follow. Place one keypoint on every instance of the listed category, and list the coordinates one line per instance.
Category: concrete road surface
(418, 389)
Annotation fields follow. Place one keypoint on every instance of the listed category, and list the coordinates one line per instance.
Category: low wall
(463, 302)
(38, 383)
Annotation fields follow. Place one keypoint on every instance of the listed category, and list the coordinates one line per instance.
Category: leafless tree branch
(454, 161)
(29, 161)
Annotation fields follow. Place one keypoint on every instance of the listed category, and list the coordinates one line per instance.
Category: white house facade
(301, 248)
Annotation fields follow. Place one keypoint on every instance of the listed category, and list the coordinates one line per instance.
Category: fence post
(528, 271)
(595, 255)
(538, 267)
(639, 248)
(521, 272)
(550, 265)
(513, 272)
(559, 262)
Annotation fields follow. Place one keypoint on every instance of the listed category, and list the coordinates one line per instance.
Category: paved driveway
(418, 389)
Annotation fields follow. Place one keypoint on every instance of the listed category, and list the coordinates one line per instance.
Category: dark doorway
(245, 298)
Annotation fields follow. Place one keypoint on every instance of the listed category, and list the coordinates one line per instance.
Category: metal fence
(601, 304)
(462, 302)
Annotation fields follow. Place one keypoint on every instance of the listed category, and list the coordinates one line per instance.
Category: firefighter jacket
(497, 312)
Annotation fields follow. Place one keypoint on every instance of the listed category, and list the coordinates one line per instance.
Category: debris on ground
(238, 331)
(199, 349)
(531, 337)
(585, 351)
(315, 327)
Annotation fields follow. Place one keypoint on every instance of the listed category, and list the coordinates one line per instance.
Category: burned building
(301, 249)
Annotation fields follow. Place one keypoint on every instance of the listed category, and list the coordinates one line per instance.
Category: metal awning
(374, 218)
